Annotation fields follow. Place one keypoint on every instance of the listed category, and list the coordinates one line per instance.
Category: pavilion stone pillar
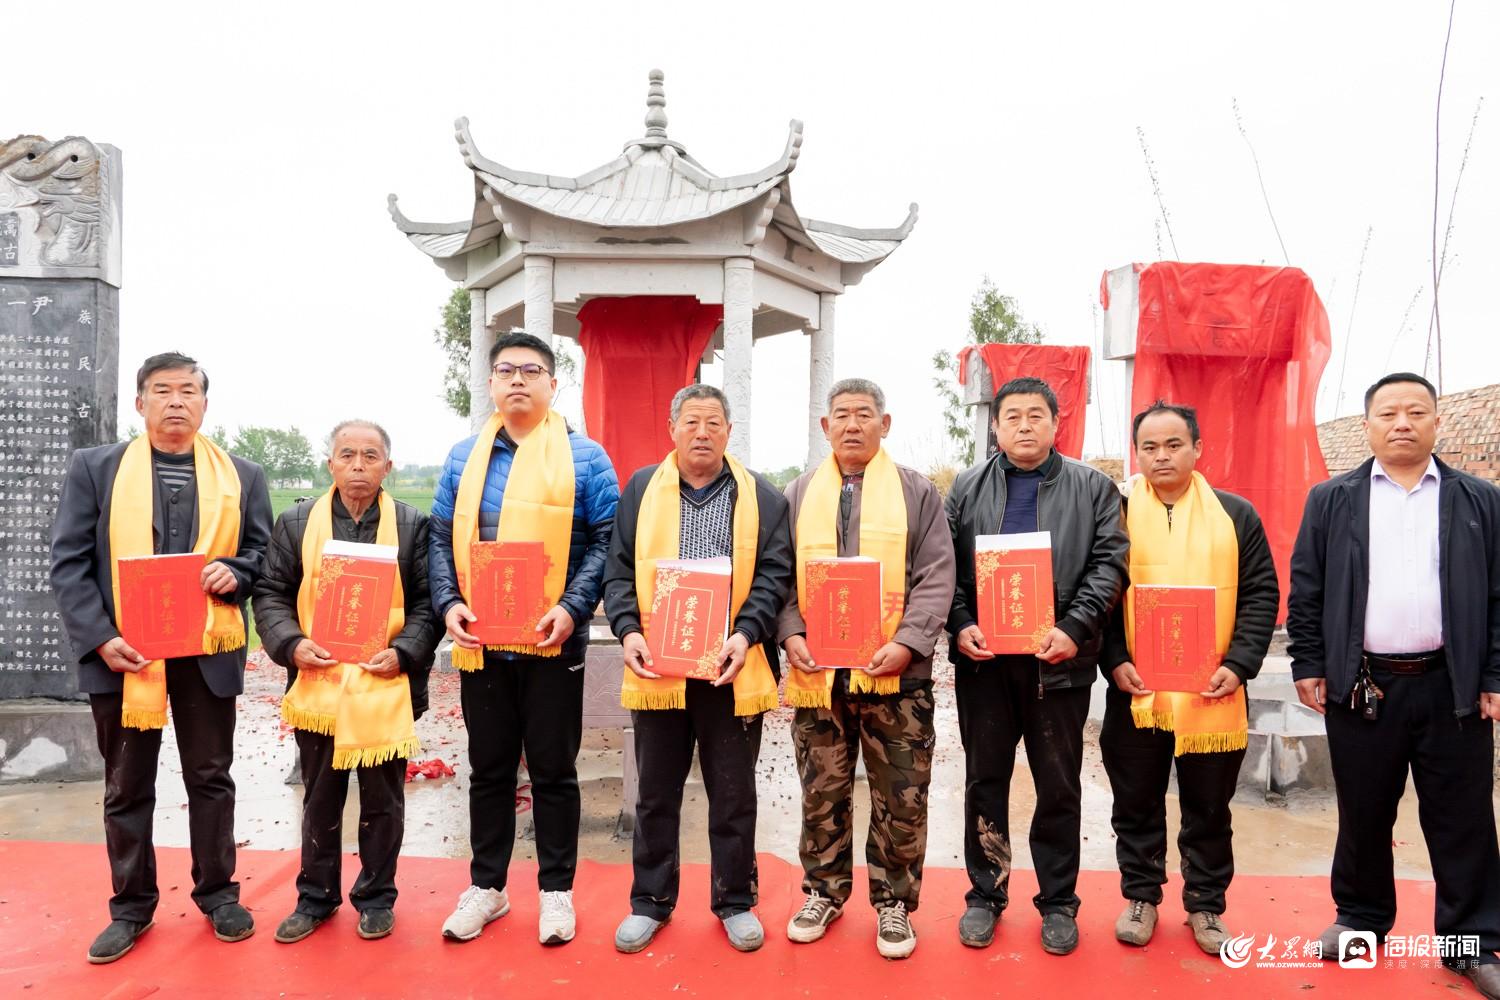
(819, 380)
(739, 337)
(538, 293)
(481, 339)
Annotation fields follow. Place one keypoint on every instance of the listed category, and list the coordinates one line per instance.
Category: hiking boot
(557, 922)
(635, 933)
(1136, 923)
(976, 928)
(476, 907)
(744, 930)
(812, 921)
(1208, 930)
(298, 925)
(894, 937)
(232, 922)
(376, 923)
(115, 940)
(1059, 933)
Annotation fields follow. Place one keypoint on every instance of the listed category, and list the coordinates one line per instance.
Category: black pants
(1139, 764)
(382, 819)
(997, 708)
(1451, 762)
(204, 724)
(728, 748)
(533, 705)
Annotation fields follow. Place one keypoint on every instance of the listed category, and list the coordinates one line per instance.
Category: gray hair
(858, 387)
(698, 390)
(344, 425)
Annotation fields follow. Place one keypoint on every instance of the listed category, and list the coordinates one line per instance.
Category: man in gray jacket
(1027, 486)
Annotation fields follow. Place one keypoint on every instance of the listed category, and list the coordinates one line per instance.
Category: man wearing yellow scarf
(698, 504)
(859, 502)
(524, 477)
(1183, 534)
(349, 716)
(169, 491)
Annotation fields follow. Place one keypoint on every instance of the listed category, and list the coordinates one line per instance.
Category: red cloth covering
(434, 768)
(1065, 369)
(1245, 346)
(638, 351)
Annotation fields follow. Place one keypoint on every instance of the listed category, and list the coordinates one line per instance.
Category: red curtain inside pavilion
(1065, 369)
(638, 351)
(1245, 346)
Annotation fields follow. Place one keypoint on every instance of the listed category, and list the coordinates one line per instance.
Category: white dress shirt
(1404, 610)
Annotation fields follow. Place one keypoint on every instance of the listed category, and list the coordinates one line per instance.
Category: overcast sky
(260, 141)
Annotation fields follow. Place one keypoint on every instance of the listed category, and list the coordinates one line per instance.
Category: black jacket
(81, 562)
(1081, 507)
(1331, 583)
(1255, 608)
(774, 565)
(281, 577)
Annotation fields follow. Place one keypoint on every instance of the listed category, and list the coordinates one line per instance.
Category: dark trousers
(998, 707)
(896, 735)
(382, 819)
(728, 748)
(204, 724)
(1451, 762)
(536, 706)
(1139, 763)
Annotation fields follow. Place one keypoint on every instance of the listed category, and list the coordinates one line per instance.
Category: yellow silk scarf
(130, 535)
(537, 506)
(1197, 548)
(369, 717)
(658, 536)
(882, 536)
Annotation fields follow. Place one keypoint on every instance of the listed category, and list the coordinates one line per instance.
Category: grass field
(282, 499)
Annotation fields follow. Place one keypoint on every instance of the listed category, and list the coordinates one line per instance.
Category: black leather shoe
(376, 923)
(1059, 933)
(232, 922)
(976, 928)
(115, 940)
(1486, 979)
(297, 926)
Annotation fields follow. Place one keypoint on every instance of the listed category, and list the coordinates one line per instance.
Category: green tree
(253, 444)
(220, 437)
(291, 457)
(993, 319)
(453, 337)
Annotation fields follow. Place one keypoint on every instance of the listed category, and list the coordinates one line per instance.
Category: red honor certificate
(352, 603)
(1175, 648)
(843, 610)
(1013, 588)
(689, 617)
(507, 592)
(163, 610)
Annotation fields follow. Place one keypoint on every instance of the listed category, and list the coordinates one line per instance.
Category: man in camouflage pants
(884, 707)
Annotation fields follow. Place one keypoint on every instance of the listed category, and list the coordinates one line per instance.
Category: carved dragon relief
(61, 183)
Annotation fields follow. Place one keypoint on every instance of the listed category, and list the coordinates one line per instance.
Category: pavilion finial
(656, 106)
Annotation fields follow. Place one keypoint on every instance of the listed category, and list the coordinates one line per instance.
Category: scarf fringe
(1151, 718)
(755, 704)
(1211, 742)
(308, 721)
(350, 758)
(223, 642)
(469, 660)
(801, 697)
(862, 683)
(646, 701)
(142, 719)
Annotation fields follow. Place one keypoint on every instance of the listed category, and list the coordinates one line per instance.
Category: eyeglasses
(529, 372)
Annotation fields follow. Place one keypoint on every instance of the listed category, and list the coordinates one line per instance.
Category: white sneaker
(476, 907)
(557, 921)
(894, 936)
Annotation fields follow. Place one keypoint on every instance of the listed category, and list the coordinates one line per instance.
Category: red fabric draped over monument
(1065, 369)
(1245, 346)
(638, 351)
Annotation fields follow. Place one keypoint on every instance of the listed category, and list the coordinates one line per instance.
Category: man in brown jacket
(860, 503)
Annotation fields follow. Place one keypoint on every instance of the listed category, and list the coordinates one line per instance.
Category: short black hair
(1392, 379)
(527, 341)
(165, 362)
(1187, 413)
(1027, 386)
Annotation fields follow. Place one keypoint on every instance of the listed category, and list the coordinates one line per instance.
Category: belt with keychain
(1366, 694)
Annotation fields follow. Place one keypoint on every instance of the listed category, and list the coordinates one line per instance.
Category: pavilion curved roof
(653, 183)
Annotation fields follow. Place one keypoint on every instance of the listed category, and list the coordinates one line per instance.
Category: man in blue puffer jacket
(520, 701)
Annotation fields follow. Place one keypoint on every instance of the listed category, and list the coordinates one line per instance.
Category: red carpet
(53, 896)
